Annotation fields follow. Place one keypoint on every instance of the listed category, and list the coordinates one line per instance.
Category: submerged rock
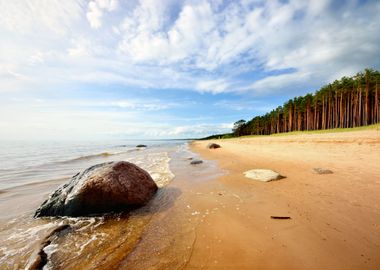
(263, 175)
(213, 146)
(106, 187)
(322, 171)
(196, 161)
(40, 259)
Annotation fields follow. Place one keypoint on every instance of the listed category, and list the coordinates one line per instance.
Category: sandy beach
(335, 218)
(210, 216)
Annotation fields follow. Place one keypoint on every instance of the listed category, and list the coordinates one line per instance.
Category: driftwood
(280, 217)
(196, 161)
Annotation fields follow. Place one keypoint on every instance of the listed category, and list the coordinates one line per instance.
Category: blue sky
(106, 69)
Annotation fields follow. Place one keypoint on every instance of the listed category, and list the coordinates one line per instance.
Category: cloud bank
(249, 48)
(195, 45)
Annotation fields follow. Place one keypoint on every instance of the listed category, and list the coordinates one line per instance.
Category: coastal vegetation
(346, 103)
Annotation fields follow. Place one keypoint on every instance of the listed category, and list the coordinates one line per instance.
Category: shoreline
(211, 217)
(94, 242)
(335, 219)
(165, 227)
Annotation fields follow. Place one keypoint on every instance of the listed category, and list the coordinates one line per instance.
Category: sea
(30, 171)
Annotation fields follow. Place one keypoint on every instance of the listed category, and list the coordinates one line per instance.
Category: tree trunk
(360, 106)
(366, 113)
(376, 109)
(341, 125)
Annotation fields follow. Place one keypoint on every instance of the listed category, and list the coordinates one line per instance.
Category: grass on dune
(334, 130)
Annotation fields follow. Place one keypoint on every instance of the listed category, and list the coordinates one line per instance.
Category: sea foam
(157, 165)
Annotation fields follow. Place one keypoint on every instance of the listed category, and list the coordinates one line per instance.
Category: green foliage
(238, 128)
(348, 102)
(219, 136)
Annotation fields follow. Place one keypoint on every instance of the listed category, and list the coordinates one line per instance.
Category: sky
(155, 69)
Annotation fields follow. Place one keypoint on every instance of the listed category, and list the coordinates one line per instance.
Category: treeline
(348, 102)
(218, 136)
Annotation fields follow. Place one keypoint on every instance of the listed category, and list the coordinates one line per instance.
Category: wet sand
(335, 218)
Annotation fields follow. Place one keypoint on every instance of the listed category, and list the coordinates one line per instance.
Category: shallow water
(24, 163)
(116, 241)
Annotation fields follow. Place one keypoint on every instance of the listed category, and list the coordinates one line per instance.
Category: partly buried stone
(322, 171)
(141, 146)
(102, 188)
(213, 146)
(263, 175)
(196, 161)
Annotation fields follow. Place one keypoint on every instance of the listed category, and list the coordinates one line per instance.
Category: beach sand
(335, 218)
(212, 217)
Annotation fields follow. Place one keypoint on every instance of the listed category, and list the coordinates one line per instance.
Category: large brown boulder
(106, 187)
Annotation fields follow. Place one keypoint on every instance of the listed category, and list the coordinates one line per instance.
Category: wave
(54, 167)
(43, 165)
(92, 156)
(103, 154)
(157, 165)
(32, 184)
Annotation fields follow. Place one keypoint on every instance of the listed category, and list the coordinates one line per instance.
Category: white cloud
(37, 17)
(131, 104)
(94, 15)
(33, 118)
(246, 105)
(96, 11)
(199, 45)
(299, 35)
(199, 130)
(272, 83)
(213, 86)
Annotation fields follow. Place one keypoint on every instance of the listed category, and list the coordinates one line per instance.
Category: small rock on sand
(263, 175)
(322, 171)
(213, 146)
(196, 161)
(141, 146)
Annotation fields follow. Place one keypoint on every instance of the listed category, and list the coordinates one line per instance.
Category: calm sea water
(24, 162)
(29, 171)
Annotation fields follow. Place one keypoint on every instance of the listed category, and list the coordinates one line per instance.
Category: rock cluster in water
(106, 187)
(141, 146)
